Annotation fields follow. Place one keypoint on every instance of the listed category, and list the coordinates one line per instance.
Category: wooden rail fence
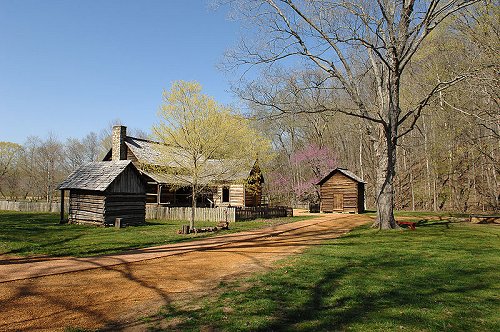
(249, 213)
(31, 206)
(219, 214)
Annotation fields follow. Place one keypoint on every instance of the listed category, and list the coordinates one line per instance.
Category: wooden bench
(481, 219)
(410, 224)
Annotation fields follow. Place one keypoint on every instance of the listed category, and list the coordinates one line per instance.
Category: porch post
(158, 192)
(62, 221)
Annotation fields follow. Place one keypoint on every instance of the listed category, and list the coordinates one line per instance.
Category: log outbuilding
(342, 191)
(100, 192)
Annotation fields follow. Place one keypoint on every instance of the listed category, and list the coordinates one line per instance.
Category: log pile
(482, 219)
(187, 230)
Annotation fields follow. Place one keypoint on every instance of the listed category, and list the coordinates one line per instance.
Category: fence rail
(219, 214)
(263, 212)
(184, 213)
(31, 206)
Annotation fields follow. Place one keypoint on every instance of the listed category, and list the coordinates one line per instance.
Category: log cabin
(342, 191)
(100, 192)
(164, 179)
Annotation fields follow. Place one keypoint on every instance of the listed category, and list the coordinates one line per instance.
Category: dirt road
(99, 292)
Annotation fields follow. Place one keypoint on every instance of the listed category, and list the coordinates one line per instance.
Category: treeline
(33, 171)
(449, 161)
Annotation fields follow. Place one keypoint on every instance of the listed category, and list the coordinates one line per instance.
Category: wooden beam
(62, 221)
(158, 192)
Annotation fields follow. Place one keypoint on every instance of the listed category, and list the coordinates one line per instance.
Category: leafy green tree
(204, 141)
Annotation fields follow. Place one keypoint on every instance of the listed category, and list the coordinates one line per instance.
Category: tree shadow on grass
(330, 298)
(327, 310)
(27, 248)
(403, 291)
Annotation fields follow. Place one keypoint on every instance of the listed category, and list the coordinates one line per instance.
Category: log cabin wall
(126, 198)
(218, 196)
(236, 195)
(103, 208)
(339, 194)
(86, 207)
(130, 207)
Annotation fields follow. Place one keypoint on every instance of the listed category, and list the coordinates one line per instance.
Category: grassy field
(441, 277)
(24, 233)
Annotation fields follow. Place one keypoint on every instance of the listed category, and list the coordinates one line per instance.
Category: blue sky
(72, 66)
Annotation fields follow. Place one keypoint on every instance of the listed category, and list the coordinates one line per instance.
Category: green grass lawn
(23, 233)
(437, 278)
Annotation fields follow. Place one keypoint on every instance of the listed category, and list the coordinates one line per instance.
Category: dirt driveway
(99, 292)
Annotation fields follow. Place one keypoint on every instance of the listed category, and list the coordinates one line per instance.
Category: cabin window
(225, 194)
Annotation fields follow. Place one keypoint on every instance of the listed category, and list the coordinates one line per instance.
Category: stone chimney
(119, 149)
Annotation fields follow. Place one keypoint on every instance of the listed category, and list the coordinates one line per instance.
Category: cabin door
(338, 202)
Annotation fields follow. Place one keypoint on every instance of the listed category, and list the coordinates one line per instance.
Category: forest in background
(33, 171)
(450, 161)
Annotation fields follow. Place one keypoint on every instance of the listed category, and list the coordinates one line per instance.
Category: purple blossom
(308, 165)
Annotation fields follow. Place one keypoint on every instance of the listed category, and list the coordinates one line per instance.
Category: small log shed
(100, 192)
(342, 191)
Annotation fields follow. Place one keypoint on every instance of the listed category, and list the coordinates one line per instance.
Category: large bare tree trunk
(386, 154)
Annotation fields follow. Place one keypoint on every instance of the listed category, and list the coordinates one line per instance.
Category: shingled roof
(347, 173)
(153, 153)
(96, 176)
(213, 172)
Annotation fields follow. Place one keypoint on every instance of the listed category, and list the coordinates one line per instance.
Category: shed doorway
(338, 202)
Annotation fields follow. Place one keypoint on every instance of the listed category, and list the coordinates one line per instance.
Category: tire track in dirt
(96, 292)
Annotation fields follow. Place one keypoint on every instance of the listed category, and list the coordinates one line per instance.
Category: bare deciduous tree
(10, 153)
(362, 48)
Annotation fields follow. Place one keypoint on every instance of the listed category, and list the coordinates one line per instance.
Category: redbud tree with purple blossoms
(297, 181)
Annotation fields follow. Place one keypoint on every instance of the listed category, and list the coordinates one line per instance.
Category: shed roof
(344, 171)
(95, 176)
